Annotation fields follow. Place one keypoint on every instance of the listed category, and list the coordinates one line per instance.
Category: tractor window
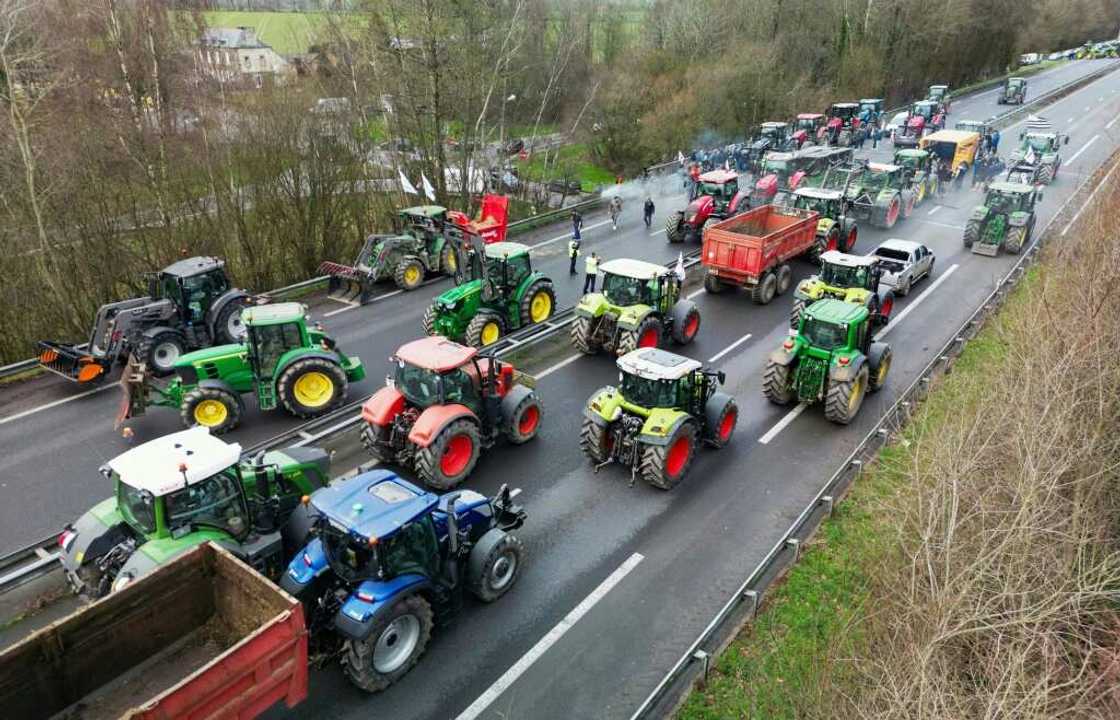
(201, 290)
(1039, 144)
(649, 393)
(518, 268)
(622, 290)
(136, 506)
(713, 189)
(421, 387)
(412, 550)
(270, 342)
(216, 501)
(844, 276)
(825, 335)
(169, 287)
(459, 387)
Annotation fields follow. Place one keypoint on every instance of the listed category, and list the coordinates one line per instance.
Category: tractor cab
(1041, 143)
(808, 126)
(501, 266)
(628, 282)
(422, 219)
(778, 132)
(832, 331)
(871, 110)
(939, 94)
(779, 170)
(1014, 90)
(720, 185)
(828, 203)
(843, 115)
(928, 110)
(1006, 198)
(980, 127)
(274, 331)
(653, 378)
(436, 371)
(192, 286)
(840, 270)
(880, 176)
(913, 161)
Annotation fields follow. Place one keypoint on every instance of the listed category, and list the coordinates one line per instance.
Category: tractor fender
(154, 330)
(699, 210)
(713, 408)
(383, 406)
(434, 419)
(811, 288)
(632, 316)
(824, 225)
(661, 424)
(1018, 219)
(513, 398)
(592, 305)
(224, 299)
(601, 406)
(308, 564)
(301, 354)
(784, 355)
(739, 203)
(843, 373)
(875, 353)
(795, 179)
(356, 618)
(217, 384)
(768, 184)
(476, 561)
(93, 536)
(980, 212)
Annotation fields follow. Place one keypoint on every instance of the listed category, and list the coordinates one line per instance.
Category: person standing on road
(995, 142)
(573, 253)
(615, 210)
(647, 211)
(591, 267)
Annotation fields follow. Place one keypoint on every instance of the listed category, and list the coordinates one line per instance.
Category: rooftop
(718, 177)
(501, 250)
(637, 269)
(156, 465)
(654, 364)
(436, 353)
(899, 244)
(817, 193)
(809, 116)
(882, 167)
(374, 504)
(274, 313)
(1009, 187)
(835, 257)
(911, 152)
(836, 311)
(773, 124)
(845, 105)
(953, 136)
(430, 211)
(189, 267)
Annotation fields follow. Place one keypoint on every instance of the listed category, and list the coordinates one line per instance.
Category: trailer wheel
(663, 466)
(212, 408)
(429, 321)
(451, 456)
(777, 383)
(713, 284)
(595, 441)
(409, 273)
(311, 387)
(763, 291)
(785, 278)
(583, 336)
(844, 399)
(395, 643)
(162, 350)
(494, 564)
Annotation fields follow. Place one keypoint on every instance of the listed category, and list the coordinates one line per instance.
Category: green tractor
(497, 293)
(640, 306)
(1013, 92)
(917, 172)
(1037, 160)
(1006, 219)
(836, 228)
(850, 278)
(283, 361)
(664, 407)
(832, 358)
(184, 489)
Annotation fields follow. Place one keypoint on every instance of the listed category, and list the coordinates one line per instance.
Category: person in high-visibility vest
(573, 253)
(591, 266)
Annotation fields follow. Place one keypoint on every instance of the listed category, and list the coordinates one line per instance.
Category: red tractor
(843, 123)
(809, 128)
(443, 405)
(715, 195)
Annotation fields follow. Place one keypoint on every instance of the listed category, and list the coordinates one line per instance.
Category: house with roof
(238, 55)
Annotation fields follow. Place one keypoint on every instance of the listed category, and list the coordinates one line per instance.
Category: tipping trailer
(201, 637)
(752, 250)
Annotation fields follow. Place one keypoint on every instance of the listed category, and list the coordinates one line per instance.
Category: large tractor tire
(161, 350)
(311, 387)
(451, 456)
(1046, 174)
(647, 334)
(1015, 239)
(722, 415)
(583, 335)
(880, 306)
(851, 239)
(763, 292)
(795, 313)
(429, 321)
(409, 273)
(663, 466)
(686, 322)
(538, 303)
(846, 398)
(971, 234)
(448, 260)
(485, 328)
(523, 423)
(213, 408)
(908, 202)
(713, 284)
(395, 643)
(494, 564)
(894, 209)
(879, 363)
(595, 441)
(777, 383)
(674, 227)
(228, 326)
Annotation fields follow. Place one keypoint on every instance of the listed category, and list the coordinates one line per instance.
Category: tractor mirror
(722, 377)
(1022, 135)
(153, 286)
(1066, 140)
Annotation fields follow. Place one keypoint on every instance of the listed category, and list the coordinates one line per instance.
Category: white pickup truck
(904, 263)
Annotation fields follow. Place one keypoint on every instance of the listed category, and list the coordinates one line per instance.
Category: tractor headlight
(123, 580)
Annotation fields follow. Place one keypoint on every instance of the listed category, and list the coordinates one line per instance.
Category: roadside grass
(569, 162)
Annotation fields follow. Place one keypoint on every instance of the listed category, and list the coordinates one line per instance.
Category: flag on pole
(679, 269)
(1037, 123)
(429, 191)
(680, 158)
(406, 185)
(1030, 157)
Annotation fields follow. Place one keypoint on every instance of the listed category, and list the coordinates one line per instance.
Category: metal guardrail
(747, 598)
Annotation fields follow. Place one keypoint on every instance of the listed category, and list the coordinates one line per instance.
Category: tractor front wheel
(777, 383)
(845, 398)
(213, 408)
(850, 239)
(429, 321)
(485, 328)
(395, 643)
(722, 414)
(879, 358)
(311, 387)
(448, 459)
(595, 440)
(686, 322)
(583, 335)
(795, 314)
(971, 234)
(522, 424)
(1015, 239)
(409, 273)
(538, 303)
(663, 466)
(494, 565)
(449, 261)
(647, 334)
(161, 351)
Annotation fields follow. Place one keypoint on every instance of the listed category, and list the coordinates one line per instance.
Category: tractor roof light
(844, 360)
(788, 344)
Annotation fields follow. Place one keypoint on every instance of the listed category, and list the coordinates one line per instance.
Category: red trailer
(752, 250)
(204, 636)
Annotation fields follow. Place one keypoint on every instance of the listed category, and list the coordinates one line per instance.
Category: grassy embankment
(975, 570)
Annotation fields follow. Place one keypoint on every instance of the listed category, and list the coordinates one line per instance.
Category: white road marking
(1111, 122)
(568, 236)
(693, 294)
(1083, 149)
(729, 348)
(563, 363)
(947, 225)
(789, 417)
(935, 209)
(916, 302)
(354, 306)
(657, 232)
(56, 403)
(1088, 200)
(518, 668)
(343, 301)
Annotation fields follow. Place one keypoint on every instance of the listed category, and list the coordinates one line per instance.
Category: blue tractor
(387, 560)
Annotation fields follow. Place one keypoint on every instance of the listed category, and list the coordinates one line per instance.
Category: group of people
(591, 262)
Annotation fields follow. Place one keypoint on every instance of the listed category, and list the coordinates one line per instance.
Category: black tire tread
(654, 457)
(362, 675)
(427, 458)
(775, 383)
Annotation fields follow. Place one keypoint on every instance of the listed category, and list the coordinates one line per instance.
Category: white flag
(679, 269)
(406, 185)
(429, 191)
(680, 157)
(1029, 159)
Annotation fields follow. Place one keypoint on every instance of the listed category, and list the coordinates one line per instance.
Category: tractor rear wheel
(763, 291)
(228, 326)
(647, 334)
(311, 387)
(777, 383)
(1015, 239)
(485, 328)
(674, 227)
(494, 565)
(663, 466)
(538, 303)
(845, 398)
(713, 284)
(397, 640)
(213, 408)
(409, 273)
(429, 321)
(850, 239)
(451, 456)
(595, 440)
(522, 424)
(795, 314)
(583, 335)
(971, 233)
(161, 351)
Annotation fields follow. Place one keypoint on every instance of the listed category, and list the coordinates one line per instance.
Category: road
(621, 579)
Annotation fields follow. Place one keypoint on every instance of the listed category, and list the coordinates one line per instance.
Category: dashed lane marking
(729, 348)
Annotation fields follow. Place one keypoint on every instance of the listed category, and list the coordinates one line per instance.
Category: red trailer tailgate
(742, 248)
